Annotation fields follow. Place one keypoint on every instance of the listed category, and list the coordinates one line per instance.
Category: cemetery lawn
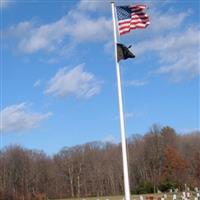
(133, 197)
(95, 198)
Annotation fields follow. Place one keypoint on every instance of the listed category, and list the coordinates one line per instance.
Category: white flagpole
(121, 112)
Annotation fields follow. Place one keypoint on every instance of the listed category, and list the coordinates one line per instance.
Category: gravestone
(141, 197)
(183, 197)
(188, 195)
(174, 196)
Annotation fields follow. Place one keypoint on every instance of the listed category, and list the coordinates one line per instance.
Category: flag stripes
(131, 17)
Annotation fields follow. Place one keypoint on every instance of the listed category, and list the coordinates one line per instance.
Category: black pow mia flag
(123, 52)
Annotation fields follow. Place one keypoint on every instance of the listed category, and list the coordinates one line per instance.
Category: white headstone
(174, 196)
(141, 197)
(188, 195)
(195, 198)
(198, 195)
(165, 196)
(184, 194)
(162, 198)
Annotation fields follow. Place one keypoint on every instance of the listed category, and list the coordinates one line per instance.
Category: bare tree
(95, 169)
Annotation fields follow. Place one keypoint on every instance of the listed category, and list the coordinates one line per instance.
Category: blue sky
(58, 81)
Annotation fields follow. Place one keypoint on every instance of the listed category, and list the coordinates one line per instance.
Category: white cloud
(178, 53)
(165, 36)
(134, 115)
(190, 130)
(137, 83)
(76, 82)
(45, 37)
(109, 138)
(79, 27)
(37, 83)
(109, 48)
(130, 115)
(177, 47)
(187, 66)
(161, 22)
(170, 42)
(16, 118)
(86, 5)
(100, 5)
(85, 28)
(21, 28)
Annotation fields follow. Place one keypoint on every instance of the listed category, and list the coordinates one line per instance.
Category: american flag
(131, 17)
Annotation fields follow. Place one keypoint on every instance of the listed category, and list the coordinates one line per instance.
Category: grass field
(133, 197)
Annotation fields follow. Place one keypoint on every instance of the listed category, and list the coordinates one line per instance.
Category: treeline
(161, 159)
